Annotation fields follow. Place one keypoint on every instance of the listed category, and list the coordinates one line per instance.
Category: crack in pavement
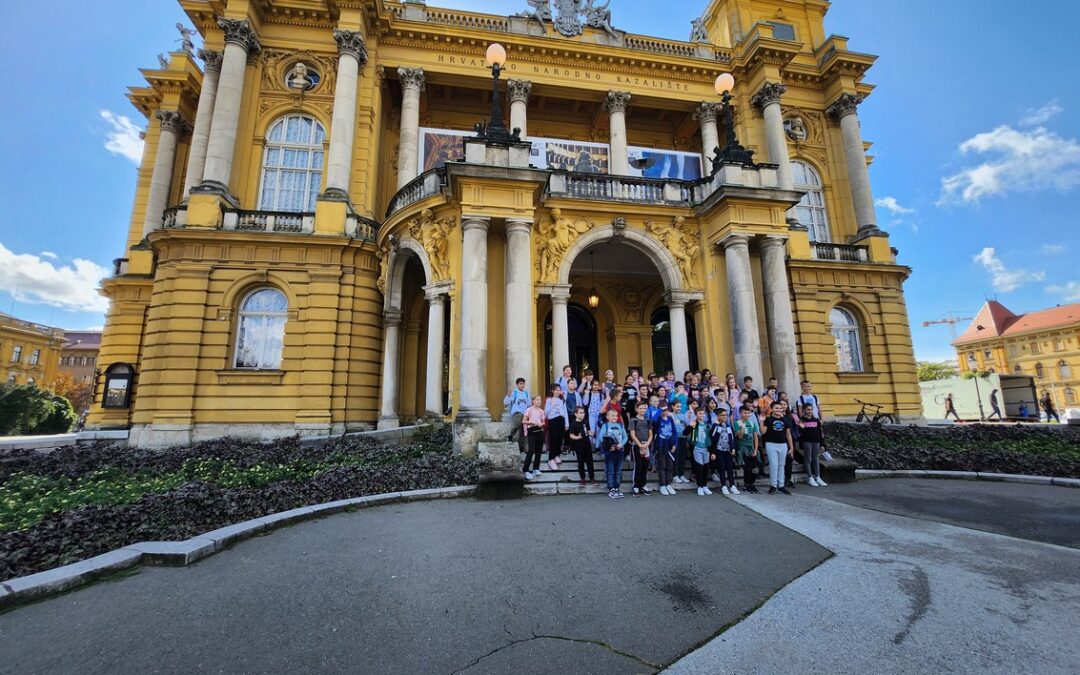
(585, 641)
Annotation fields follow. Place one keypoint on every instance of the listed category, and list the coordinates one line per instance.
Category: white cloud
(892, 206)
(1004, 279)
(1023, 161)
(1052, 249)
(1070, 290)
(123, 137)
(72, 287)
(1033, 117)
(48, 254)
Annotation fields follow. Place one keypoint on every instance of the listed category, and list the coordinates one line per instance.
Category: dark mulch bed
(1022, 449)
(197, 507)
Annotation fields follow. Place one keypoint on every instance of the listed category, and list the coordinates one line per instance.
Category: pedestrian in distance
(950, 407)
(1048, 407)
(995, 410)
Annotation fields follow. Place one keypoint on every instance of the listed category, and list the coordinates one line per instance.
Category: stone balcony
(355, 226)
(839, 252)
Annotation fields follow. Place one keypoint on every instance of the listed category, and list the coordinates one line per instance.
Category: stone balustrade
(427, 184)
(269, 221)
(839, 252)
(605, 187)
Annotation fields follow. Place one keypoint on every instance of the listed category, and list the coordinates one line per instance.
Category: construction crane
(951, 319)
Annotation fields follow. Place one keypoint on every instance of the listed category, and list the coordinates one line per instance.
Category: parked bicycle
(878, 418)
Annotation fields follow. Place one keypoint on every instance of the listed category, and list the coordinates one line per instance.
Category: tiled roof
(995, 320)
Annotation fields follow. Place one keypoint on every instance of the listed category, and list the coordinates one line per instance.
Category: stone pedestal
(500, 471)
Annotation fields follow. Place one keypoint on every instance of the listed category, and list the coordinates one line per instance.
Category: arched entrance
(582, 339)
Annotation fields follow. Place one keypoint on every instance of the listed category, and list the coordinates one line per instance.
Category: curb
(21, 590)
(863, 474)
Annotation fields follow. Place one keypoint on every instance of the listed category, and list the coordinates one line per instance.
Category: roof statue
(569, 20)
(697, 30)
(185, 38)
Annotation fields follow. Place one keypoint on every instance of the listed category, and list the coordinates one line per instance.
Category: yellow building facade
(29, 352)
(1044, 345)
(324, 240)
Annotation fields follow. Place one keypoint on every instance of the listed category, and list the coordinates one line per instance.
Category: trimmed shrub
(29, 410)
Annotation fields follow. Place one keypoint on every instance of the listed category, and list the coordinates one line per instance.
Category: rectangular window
(1036, 348)
(782, 31)
(35, 357)
(16, 353)
(1059, 345)
(1014, 350)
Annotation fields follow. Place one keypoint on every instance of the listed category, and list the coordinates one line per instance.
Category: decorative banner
(439, 146)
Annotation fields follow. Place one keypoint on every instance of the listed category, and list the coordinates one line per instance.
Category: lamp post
(495, 130)
(732, 152)
(973, 366)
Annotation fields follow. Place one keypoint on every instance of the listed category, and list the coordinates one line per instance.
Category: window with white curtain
(1064, 370)
(845, 330)
(292, 164)
(260, 333)
(811, 208)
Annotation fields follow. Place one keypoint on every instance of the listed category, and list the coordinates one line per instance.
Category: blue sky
(974, 127)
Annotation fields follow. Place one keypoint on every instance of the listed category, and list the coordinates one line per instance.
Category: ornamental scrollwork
(277, 65)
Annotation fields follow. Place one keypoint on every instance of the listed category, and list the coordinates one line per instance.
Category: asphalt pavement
(569, 584)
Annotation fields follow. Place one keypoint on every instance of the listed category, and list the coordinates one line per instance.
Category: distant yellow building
(29, 352)
(322, 242)
(1044, 345)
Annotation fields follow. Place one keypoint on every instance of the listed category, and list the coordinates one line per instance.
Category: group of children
(660, 423)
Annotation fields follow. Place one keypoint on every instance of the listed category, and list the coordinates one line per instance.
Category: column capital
(735, 240)
(239, 32)
(518, 225)
(773, 241)
(680, 299)
(617, 101)
(211, 60)
(438, 291)
(351, 42)
(560, 293)
(518, 90)
(171, 121)
(475, 223)
(392, 317)
(411, 78)
(707, 111)
(843, 106)
(769, 93)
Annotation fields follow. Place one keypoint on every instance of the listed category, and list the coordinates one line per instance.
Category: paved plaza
(584, 584)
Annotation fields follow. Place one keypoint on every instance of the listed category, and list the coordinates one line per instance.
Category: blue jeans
(613, 460)
(777, 453)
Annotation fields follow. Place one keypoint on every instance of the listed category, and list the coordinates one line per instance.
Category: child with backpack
(613, 443)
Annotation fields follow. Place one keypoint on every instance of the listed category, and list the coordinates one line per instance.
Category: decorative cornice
(844, 106)
(518, 90)
(239, 32)
(411, 78)
(769, 93)
(171, 121)
(617, 101)
(351, 42)
(211, 59)
(707, 111)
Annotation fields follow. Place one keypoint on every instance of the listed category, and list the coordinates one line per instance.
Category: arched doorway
(582, 338)
(661, 341)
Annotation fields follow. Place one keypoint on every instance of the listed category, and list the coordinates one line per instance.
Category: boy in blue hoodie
(613, 444)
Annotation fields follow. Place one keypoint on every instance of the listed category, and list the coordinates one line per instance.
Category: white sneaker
(553, 465)
(528, 475)
(714, 477)
(663, 489)
(707, 490)
(701, 492)
(821, 483)
(735, 490)
(827, 456)
(670, 490)
(536, 472)
(724, 490)
(811, 482)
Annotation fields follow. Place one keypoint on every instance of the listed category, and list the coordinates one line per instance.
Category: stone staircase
(566, 480)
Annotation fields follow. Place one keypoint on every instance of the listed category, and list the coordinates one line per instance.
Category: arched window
(1070, 396)
(1039, 370)
(260, 333)
(845, 330)
(292, 164)
(811, 208)
(1064, 370)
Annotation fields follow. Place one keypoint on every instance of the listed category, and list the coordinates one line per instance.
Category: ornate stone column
(240, 40)
(843, 109)
(560, 330)
(767, 99)
(352, 54)
(744, 320)
(433, 389)
(518, 92)
(388, 414)
(171, 124)
(472, 358)
(519, 306)
(680, 346)
(706, 114)
(412, 83)
(616, 104)
(778, 316)
(200, 135)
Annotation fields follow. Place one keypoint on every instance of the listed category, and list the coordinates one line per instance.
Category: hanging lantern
(594, 299)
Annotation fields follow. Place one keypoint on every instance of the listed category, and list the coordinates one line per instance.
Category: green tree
(27, 409)
(932, 370)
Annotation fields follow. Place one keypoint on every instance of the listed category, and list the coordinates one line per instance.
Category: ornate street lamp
(732, 152)
(594, 299)
(973, 366)
(495, 130)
